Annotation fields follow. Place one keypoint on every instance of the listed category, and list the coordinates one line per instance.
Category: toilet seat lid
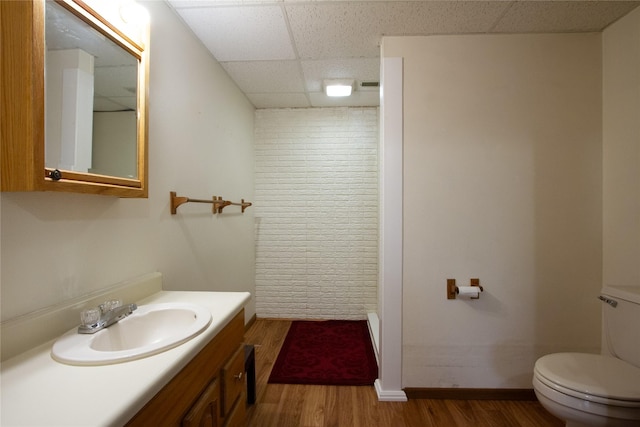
(600, 377)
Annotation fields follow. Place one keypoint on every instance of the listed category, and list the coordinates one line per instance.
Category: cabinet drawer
(232, 380)
(205, 412)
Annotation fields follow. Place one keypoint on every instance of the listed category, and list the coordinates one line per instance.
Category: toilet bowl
(598, 389)
(588, 389)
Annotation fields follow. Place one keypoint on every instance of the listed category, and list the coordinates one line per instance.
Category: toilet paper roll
(468, 291)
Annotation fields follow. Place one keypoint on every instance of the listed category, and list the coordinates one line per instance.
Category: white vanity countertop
(38, 391)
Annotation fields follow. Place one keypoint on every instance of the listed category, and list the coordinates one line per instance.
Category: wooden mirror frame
(22, 26)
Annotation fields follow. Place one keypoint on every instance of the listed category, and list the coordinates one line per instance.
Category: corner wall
(56, 247)
(502, 182)
(621, 151)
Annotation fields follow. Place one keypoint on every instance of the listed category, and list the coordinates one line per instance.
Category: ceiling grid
(279, 51)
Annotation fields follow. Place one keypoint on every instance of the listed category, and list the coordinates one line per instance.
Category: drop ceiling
(279, 52)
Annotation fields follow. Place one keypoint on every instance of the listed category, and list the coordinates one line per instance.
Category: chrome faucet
(103, 316)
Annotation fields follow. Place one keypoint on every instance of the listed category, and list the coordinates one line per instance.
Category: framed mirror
(91, 102)
(74, 114)
(95, 98)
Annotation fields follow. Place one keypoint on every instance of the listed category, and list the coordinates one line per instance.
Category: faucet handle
(90, 316)
(110, 305)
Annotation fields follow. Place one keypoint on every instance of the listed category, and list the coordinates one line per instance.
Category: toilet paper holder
(453, 290)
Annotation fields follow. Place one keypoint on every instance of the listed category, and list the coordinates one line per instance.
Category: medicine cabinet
(74, 102)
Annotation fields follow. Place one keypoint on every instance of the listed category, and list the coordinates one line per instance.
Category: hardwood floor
(290, 405)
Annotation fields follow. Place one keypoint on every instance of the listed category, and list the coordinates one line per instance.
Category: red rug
(331, 352)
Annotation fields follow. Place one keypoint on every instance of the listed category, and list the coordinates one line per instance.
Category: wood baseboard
(471, 393)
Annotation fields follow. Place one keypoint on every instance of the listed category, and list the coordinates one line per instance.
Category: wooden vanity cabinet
(206, 411)
(194, 397)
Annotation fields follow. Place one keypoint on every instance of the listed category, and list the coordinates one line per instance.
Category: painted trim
(389, 383)
(373, 321)
(389, 395)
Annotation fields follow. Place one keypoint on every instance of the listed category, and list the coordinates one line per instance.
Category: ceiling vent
(369, 86)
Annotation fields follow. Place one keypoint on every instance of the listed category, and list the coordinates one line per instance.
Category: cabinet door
(232, 380)
(205, 412)
(236, 418)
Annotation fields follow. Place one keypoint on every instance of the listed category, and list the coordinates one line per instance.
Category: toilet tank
(621, 323)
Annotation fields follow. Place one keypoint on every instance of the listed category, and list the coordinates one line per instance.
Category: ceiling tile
(202, 3)
(335, 29)
(114, 103)
(354, 29)
(562, 16)
(266, 76)
(442, 17)
(241, 33)
(360, 69)
(279, 100)
(116, 81)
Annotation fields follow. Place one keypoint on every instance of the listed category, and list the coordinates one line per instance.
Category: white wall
(503, 182)
(317, 212)
(115, 144)
(621, 151)
(59, 246)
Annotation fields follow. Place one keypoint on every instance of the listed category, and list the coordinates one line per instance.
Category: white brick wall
(316, 209)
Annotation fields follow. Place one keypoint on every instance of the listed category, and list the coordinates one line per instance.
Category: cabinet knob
(55, 175)
(238, 377)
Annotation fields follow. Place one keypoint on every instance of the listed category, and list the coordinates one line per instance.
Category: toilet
(598, 389)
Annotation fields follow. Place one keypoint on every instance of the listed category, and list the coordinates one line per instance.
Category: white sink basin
(149, 330)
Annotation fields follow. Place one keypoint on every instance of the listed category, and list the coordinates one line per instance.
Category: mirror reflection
(91, 99)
